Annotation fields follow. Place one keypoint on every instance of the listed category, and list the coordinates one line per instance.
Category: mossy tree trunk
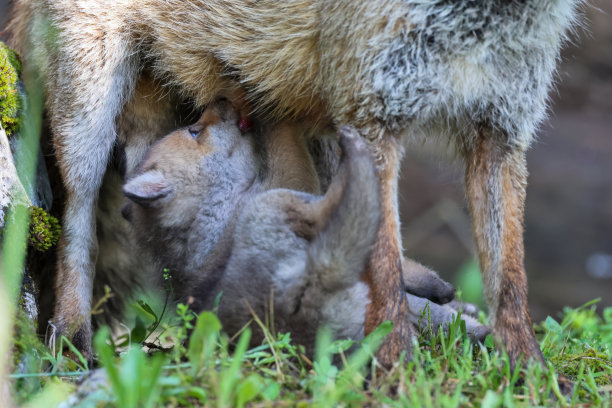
(32, 194)
(12, 190)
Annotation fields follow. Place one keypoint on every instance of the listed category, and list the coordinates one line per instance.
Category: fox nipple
(245, 124)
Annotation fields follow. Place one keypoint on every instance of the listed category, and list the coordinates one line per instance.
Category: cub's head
(204, 164)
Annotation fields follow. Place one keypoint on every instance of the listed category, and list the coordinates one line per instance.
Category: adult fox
(475, 74)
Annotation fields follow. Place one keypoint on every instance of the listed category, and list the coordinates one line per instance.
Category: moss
(25, 339)
(598, 363)
(27, 352)
(44, 229)
(10, 99)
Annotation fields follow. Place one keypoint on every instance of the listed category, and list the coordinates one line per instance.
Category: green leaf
(139, 332)
(489, 341)
(553, 326)
(271, 391)
(203, 340)
(145, 311)
(341, 345)
(150, 388)
(106, 357)
(170, 381)
(491, 400)
(373, 340)
(323, 352)
(76, 352)
(199, 393)
(248, 389)
(216, 303)
(131, 374)
(230, 376)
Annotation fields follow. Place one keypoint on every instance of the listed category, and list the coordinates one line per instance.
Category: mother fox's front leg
(83, 123)
(384, 271)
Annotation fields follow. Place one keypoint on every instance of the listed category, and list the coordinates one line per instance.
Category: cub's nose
(229, 112)
(225, 110)
(219, 111)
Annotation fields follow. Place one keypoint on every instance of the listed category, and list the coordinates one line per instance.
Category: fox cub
(207, 201)
(204, 202)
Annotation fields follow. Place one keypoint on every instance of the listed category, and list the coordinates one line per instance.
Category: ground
(447, 370)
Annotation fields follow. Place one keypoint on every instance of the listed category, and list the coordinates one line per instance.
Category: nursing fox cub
(229, 212)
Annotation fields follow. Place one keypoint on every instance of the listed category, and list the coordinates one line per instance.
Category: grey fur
(220, 230)
(424, 312)
(469, 62)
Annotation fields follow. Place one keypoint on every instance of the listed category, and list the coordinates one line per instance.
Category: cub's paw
(425, 283)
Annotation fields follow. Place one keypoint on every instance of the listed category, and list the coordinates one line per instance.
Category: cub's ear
(147, 187)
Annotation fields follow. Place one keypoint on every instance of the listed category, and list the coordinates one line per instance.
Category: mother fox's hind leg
(496, 178)
(96, 63)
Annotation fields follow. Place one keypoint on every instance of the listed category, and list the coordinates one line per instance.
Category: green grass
(214, 370)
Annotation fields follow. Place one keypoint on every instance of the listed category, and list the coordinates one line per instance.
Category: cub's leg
(350, 213)
(384, 272)
(418, 280)
(340, 228)
(423, 312)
